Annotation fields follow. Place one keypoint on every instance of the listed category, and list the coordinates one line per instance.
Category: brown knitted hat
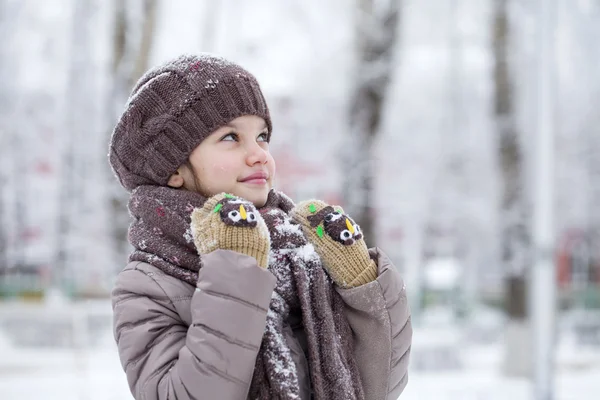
(173, 108)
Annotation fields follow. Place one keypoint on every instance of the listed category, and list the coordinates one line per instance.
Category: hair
(197, 184)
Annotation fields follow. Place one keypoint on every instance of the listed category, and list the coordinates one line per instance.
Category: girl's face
(233, 159)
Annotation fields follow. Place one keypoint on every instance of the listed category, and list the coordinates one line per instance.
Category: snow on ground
(577, 377)
(94, 372)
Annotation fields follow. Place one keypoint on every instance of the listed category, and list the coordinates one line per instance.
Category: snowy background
(66, 67)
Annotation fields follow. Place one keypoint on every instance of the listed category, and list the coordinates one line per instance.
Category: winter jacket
(177, 341)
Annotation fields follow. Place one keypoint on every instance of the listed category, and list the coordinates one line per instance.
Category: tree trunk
(7, 93)
(3, 236)
(120, 84)
(593, 174)
(14, 172)
(148, 25)
(376, 28)
(130, 61)
(515, 235)
(74, 157)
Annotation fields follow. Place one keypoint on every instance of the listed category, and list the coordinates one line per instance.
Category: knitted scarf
(160, 234)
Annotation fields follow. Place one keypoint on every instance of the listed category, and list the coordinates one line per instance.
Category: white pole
(414, 269)
(543, 274)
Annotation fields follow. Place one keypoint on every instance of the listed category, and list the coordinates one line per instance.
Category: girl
(232, 291)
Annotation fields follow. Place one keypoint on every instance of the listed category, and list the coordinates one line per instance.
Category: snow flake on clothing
(188, 235)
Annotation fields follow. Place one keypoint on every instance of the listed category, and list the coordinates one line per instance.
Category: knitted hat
(173, 108)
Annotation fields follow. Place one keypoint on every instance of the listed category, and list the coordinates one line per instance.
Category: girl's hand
(339, 242)
(231, 223)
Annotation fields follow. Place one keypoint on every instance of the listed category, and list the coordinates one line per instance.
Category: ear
(176, 180)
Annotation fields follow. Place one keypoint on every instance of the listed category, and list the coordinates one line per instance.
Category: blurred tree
(72, 161)
(6, 93)
(515, 235)
(12, 202)
(3, 233)
(131, 46)
(591, 130)
(120, 82)
(594, 203)
(376, 35)
(148, 24)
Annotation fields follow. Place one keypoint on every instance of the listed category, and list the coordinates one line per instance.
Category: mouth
(258, 178)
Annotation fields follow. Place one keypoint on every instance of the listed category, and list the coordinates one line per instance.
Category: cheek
(216, 174)
(219, 172)
(215, 163)
(221, 169)
(271, 166)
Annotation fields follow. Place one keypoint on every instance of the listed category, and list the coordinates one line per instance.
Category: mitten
(231, 223)
(339, 242)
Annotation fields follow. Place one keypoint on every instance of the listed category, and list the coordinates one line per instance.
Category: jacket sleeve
(379, 316)
(213, 358)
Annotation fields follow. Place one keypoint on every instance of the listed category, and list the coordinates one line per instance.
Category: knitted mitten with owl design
(231, 223)
(339, 242)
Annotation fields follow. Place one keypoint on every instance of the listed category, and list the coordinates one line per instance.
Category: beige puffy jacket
(180, 342)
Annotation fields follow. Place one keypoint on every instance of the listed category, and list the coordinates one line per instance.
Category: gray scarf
(161, 236)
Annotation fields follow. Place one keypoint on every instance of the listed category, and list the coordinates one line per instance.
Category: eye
(230, 137)
(263, 137)
(251, 217)
(333, 216)
(345, 235)
(234, 216)
(357, 228)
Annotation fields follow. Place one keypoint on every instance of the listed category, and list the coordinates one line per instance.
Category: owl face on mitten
(336, 225)
(235, 212)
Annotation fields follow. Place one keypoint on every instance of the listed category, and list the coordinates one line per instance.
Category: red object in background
(31, 233)
(396, 234)
(43, 168)
(564, 258)
(564, 269)
(45, 274)
(332, 198)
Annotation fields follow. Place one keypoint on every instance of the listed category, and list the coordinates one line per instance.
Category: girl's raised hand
(231, 223)
(339, 242)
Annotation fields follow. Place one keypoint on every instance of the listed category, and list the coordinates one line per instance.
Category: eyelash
(236, 137)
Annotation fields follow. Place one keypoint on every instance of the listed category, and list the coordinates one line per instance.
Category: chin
(259, 200)
(256, 197)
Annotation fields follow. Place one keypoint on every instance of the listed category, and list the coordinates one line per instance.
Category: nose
(256, 155)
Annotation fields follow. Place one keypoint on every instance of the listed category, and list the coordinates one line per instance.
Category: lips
(256, 177)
